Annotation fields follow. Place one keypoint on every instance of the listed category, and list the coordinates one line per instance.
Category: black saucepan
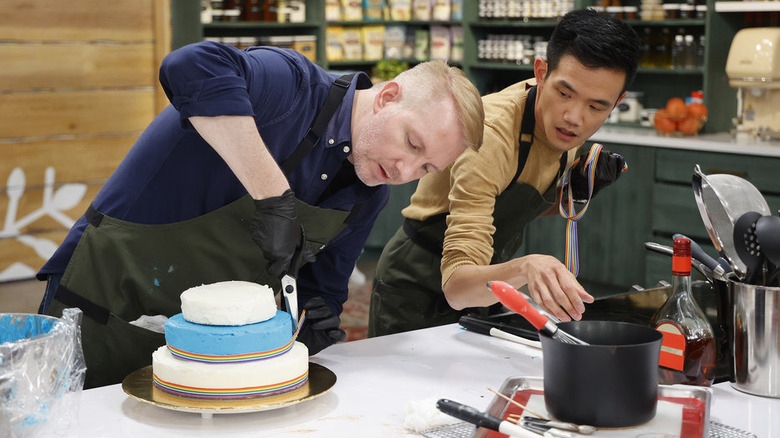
(613, 382)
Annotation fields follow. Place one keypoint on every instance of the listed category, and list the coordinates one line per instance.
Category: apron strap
(526, 134)
(90, 309)
(527, 138)
(426, 242)
(313, 135)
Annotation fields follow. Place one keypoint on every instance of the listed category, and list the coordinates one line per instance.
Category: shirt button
(324, 176)
(346, 149)
(331, 141)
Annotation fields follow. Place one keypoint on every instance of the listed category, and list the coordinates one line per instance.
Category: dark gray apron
(407, 291)
(120, 270)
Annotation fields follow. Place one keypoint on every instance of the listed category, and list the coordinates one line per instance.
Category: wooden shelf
(747, 6)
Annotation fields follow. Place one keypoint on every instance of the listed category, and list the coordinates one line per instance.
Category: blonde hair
(433, 82)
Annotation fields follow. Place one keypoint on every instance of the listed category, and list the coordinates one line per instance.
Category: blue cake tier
(250, 340)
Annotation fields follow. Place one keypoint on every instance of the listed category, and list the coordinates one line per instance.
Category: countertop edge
(719, 142)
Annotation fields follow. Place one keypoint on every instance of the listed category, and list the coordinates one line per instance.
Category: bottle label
(672, 346)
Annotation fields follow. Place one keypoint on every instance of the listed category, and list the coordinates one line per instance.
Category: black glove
(321, 327)
(276, 231)
(609, 166)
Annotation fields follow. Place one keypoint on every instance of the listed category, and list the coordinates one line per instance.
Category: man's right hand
(553, 287)
(275, 229)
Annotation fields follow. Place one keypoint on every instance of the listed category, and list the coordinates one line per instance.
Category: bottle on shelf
(646, 48)
(678, 52)
(663, 49)
(688, 353)
(690, 52)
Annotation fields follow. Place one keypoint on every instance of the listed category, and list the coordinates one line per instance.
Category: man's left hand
(609, 167)
(321, 327)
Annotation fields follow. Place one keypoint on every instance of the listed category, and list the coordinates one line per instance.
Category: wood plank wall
(78, 84)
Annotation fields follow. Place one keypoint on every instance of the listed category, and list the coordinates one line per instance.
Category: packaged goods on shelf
(400, 10)
(421, 44)
(421, 10)
(291, 11)
(373, 42)
(373, 10)
(332, 10)
(442, 10)
(304, 44)
(334, 48)
(456, 35)
(351, 10)
(350, 40)
(395, 43)
(533, 9)
(457, 10)
(440, 42)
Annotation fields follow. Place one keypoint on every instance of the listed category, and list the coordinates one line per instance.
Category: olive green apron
(121, 271)
(407, 292)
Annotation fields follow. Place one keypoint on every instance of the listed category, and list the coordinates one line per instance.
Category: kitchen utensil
(756, 338)
(768, 234)
(719, 267)
(290, 295)
(546, 431)
(498, 330)
(481, 419)
(612, 382)
(519, 405)
(510, 297)
(579, 428)
(721, 200)
(747, 246)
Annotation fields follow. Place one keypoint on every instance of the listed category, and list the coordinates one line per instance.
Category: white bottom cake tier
(233, 380)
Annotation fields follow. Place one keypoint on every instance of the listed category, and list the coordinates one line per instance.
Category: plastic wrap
(41, 373)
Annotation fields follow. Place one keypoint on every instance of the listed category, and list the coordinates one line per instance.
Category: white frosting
(266, 372)
(228, 303)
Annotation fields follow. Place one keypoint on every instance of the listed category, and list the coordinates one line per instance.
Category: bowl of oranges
(680, 118)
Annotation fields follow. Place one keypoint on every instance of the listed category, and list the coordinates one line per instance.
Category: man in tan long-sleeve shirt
(465, 224)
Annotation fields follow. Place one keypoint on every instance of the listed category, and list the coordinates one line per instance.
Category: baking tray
(693, 401)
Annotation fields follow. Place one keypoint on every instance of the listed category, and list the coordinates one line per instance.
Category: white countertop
(721, 142)
(376, 379)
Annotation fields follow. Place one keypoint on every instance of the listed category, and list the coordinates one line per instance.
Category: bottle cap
(681, 257)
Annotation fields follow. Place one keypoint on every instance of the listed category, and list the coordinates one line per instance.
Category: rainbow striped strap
(572, 256)
(238, 358)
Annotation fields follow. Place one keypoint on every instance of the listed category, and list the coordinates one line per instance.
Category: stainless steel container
(756, 338)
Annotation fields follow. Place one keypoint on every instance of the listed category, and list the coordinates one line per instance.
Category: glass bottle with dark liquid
(688, 353)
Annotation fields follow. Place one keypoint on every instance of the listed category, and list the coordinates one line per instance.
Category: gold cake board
(139, 386)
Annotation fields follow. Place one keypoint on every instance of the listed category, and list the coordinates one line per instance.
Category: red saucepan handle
(517, 303)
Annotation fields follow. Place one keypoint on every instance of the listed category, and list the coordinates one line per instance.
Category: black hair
(596, 40)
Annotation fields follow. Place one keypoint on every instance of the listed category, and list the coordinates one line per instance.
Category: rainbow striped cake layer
(188, 391)
(277, 374)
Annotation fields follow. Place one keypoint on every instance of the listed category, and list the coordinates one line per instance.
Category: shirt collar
(340, 127)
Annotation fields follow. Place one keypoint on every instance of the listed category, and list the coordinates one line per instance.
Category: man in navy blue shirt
(263, 162)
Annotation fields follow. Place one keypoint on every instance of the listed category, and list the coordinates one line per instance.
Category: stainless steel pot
(756, 338)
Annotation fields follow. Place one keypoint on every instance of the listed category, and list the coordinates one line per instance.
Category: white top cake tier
(228, 303)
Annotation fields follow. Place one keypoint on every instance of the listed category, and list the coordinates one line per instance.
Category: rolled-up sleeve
(206, 79)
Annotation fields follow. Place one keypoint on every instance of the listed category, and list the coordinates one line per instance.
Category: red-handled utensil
(511, 298)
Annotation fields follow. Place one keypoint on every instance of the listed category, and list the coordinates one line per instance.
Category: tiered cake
(230, 341)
